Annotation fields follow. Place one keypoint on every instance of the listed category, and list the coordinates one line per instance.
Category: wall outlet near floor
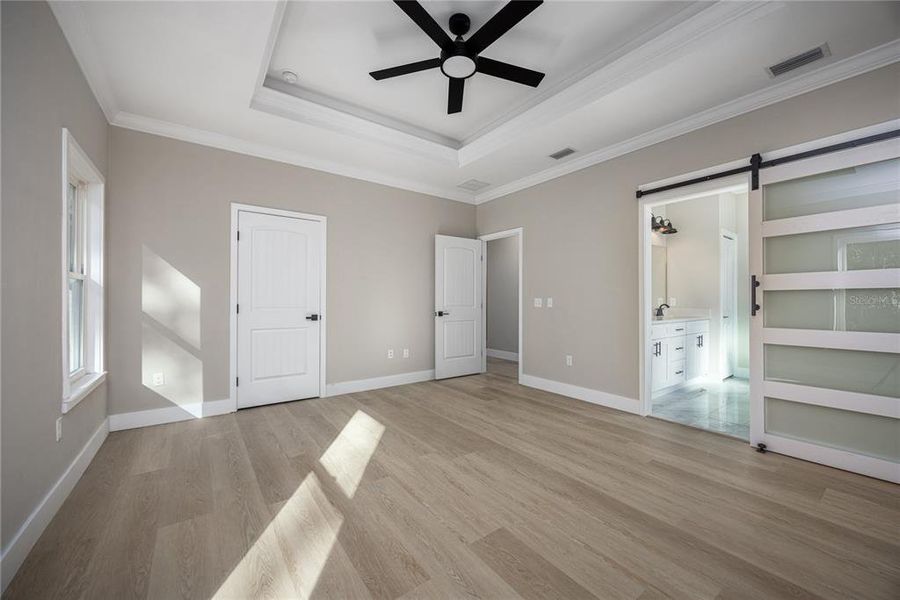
(538, 302)
(390, 353)
(568, 360)
(406, 353)
(58, 429)
(159, 379)
(549, 302)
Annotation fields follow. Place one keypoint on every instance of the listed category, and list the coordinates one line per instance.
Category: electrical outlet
(549, 302)
(159, 379)
(406, 353)
(538, 302)
(390, 353)
(568, 360)
(59, 429)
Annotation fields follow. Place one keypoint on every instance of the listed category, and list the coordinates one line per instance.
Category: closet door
(825, 339)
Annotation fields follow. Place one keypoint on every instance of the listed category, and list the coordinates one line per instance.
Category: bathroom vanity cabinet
(679, 352)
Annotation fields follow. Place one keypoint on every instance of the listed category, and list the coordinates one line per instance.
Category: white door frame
(236, 208)
(487, 237)
(724, 348)
(735, 183)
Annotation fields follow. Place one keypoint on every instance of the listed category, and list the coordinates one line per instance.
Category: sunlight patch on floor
(350, 452)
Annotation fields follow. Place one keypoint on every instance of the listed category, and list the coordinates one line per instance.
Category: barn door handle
(754, 283)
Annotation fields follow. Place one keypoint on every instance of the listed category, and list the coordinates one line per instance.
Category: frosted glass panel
(846, 370)
(873, 435)
(858, 248)
(875, 310)
(874, 184)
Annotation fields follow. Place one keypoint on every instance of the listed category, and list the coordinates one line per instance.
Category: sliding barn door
(457, 306)
(825, 339)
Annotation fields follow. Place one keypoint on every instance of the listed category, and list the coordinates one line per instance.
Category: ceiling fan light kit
(459, 59)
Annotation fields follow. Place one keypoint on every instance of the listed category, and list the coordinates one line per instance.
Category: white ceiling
(620, 75)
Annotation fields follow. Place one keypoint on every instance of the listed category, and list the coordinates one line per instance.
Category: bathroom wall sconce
(661, 225)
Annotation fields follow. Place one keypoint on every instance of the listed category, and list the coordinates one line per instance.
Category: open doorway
(502, 303)
(697, 321)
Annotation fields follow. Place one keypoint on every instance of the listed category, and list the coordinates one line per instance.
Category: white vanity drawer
(675, 347)
(697, 326)
(674, 329)
(676, 372)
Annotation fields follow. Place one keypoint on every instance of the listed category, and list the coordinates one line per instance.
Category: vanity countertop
(678, 319)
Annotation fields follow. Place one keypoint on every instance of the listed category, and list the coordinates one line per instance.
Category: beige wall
(43, 91)
(580, 238)
(169, 219)
(503, 294)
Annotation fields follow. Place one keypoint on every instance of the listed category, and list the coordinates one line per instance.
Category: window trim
(77, 168)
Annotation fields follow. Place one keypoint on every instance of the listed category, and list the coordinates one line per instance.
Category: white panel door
(457, 306)
(278, 320)
(825, 339)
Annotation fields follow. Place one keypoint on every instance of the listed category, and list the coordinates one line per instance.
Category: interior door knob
(442, 313)
(312, 317)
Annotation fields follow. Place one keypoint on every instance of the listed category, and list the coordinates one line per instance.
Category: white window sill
(81, 388)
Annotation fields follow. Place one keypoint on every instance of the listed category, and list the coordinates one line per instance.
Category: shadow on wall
(171, 365)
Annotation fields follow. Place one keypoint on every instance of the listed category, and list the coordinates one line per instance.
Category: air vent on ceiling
(473, 185)
(795, 62)
(562, 153)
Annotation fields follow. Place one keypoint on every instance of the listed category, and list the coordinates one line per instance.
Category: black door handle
(754, 307)
(312, 318)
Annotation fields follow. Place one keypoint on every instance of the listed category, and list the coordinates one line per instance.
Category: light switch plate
(406, 353)
(538, 302)
(568, 360)
(549, 302)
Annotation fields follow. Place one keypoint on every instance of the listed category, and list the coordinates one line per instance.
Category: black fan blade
(455, 96)
(500, 23)
(415, 67)
(426, 22)
(503, 70)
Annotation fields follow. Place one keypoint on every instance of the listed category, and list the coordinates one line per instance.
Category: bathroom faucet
(659, 311)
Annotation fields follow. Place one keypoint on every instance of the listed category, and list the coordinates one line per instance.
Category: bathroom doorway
(696, 333)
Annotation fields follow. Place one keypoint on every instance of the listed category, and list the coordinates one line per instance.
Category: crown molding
(71, 19)
(863, 62)
(233, 144)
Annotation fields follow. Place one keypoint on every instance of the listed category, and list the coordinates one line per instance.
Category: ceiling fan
(459, 59)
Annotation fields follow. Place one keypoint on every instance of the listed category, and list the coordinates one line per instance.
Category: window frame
(78, 170)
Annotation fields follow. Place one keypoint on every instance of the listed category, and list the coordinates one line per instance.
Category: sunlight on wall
(296, 544)
(170, 298)
(170, 334)
(350, 452)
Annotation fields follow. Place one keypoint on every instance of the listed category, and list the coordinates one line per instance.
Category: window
(82, 290)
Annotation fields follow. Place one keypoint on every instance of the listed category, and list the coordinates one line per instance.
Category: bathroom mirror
(658, 284)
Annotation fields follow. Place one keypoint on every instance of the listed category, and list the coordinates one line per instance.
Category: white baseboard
(582, 393)
(21, 544)
(170, 414)
(504, 354)
(742, 372)
(362, 385)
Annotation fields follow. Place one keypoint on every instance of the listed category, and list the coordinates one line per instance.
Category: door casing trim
(519, 232)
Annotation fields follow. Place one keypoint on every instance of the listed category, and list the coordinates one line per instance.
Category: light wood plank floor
(467, 488)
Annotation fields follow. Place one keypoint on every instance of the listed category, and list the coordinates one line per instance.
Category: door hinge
(239, 235)
(238, 309)
(237, 381)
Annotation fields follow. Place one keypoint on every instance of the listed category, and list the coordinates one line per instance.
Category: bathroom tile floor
(723, 407)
